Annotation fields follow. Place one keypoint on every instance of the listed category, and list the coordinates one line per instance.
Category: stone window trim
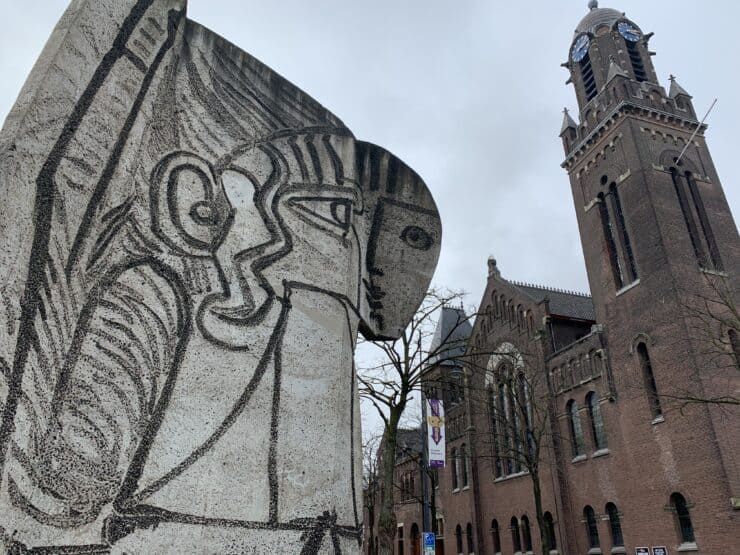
(600, 453)
(513, 476)
(658, 420)
(619, 550)
(628, 287)
(688, 547)
(579, 459)
(594, 551)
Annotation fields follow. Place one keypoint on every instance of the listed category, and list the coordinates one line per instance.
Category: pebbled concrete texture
(190, 245)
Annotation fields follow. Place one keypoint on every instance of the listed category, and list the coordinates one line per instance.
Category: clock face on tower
(580, 48)
(628, 31)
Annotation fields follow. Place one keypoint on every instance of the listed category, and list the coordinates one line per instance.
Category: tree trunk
(386, 516)
(537, 491)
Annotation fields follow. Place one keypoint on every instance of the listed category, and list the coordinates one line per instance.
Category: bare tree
(394, 378)
(713, 319)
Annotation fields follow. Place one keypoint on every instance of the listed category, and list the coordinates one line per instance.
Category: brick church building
(606, 393)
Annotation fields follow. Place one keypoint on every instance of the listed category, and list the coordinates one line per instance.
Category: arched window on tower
(495, 537)
(576, 431)
(459, 540)
(688, 217)
(498, 463)
(611, 243)
(628, 255)
(592, 528)
(615, 525)
(515, 539)
(683, 519)
(638, 66)
(596, 421)
(706, 226)
(648, 378)
(469, 534)
(587, 74)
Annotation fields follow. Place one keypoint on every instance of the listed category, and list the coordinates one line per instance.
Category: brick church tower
(662, 251)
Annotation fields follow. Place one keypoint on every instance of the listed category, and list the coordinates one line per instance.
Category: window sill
(466, 488)
(455, 490)
(580, 458)
(511, 477)
(658, 419)
(594, 551)
(626, 288)
(713, 272)
(618, 550)
(687, 547)
(600, 453)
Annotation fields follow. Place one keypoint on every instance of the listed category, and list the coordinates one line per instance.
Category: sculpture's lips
(238, 314)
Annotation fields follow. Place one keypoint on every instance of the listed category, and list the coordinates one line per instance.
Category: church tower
(658, 240)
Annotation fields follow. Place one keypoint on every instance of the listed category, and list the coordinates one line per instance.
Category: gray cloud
(469, 93)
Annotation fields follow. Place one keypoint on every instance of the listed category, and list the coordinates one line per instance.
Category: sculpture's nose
(247, 234)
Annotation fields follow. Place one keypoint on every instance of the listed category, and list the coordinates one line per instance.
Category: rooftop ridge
(551, 289)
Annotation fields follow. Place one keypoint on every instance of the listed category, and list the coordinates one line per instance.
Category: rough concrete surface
(188, 247)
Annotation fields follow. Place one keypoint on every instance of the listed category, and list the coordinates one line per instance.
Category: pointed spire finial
(593, 4)
(671, 78)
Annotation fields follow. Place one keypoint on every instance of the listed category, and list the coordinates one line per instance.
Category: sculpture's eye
(320, 211)
(417, 238)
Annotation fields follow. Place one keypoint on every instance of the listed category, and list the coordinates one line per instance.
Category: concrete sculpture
(189, 247)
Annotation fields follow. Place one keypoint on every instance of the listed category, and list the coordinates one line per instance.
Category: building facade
(626, 397)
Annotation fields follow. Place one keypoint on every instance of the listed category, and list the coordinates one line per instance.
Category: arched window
(597, 422)
(455, 467)
(526, 534)
(494, 303)
(415, 539)
(412, 486)
(592, 528)
(550, 531)
(735, 346)
(638, 67)
(587, 74)
(495, 536)
(648, 379)
(458, 539)
(688, 217)
(464, 464)
(615, 525)
(520, 317)
(611, 243)
(576, 432)
(399, 533)
(630, 269)
(515, 539)
(525, 406)
(502, 307)
(706, 226)
(683, 519)
(469, 534)
(503, 421)
(498, 463)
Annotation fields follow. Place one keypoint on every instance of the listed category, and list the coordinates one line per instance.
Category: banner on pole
(436, 433)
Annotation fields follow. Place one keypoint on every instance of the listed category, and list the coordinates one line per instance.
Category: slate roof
(562, 303)
(409, 443)
(454, 328)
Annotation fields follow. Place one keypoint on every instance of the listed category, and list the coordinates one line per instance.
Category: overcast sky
(468, 93)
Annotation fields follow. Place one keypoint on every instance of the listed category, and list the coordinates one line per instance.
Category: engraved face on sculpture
(321, 211)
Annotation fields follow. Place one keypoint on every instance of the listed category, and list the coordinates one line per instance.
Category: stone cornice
(623, 109)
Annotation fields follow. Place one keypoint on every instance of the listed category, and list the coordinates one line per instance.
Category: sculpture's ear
(404, 239)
